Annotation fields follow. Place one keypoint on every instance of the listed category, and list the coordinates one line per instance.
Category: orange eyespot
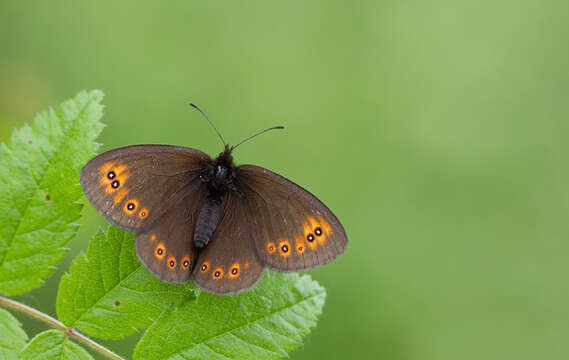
(234, 271)
(113, 178)
(246, 264)
(217, 273)
(205, 266)
(152, 237)
(300, 247)
(316, 232)
(171, 262)
(143, 213)
(271, 248)
(284, 248)
(130, 206)
(112, 187)
(310, 243)
(185, 262)
(160, 251)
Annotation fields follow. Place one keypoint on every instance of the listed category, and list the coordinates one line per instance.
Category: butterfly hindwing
(228, 263)
(167, 248)
(134, 186)
(292, 229)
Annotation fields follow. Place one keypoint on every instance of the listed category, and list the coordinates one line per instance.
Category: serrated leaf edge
(257, 320)
(38, 183)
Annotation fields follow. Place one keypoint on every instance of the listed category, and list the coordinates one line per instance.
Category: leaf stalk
(72, 332)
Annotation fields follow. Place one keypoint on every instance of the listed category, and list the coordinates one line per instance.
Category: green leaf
(264, 323)
(53, 345)
(12, 336)
(39, 187)
(109, 294)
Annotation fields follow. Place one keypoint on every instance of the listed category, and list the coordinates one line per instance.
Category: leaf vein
(61, 141)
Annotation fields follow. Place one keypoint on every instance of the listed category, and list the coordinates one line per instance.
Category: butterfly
(208, 219)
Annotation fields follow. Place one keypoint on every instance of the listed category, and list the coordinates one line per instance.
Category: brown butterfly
(207, 218)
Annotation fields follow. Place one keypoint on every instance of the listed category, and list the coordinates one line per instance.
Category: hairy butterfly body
(208, 219)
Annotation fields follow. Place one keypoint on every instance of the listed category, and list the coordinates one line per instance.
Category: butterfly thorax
(219, 176)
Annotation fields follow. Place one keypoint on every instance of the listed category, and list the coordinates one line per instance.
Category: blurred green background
(436, 130)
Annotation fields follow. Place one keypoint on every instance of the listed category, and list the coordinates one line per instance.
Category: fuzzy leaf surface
(109, 294)
(39, 189)
(264, 323)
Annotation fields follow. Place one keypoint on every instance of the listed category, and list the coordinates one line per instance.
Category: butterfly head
(225, 159)
(221, 172)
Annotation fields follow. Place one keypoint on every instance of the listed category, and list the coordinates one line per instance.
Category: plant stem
(5, 302)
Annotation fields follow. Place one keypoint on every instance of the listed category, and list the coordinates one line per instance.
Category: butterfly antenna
(257, 134)
(208, 120)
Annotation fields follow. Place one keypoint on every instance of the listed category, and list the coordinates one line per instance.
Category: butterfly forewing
(228, 263)
(134, 186)
(292, 229)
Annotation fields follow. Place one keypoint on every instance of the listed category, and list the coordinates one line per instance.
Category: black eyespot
(130, 206)
(300, 248)
(115, 184)
(217, 274)
(234, 271)
(111, 175)
(310, 237)
(172, 263)
(186, 264)
(204, 267)
(284, 248)
(160, 251)
(318, 231)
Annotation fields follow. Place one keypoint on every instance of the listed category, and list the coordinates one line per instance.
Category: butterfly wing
(135, 186)
(292, 229)
(228, 263)
(167, 249)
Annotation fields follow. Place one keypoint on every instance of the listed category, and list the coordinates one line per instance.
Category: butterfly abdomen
(207, 220)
